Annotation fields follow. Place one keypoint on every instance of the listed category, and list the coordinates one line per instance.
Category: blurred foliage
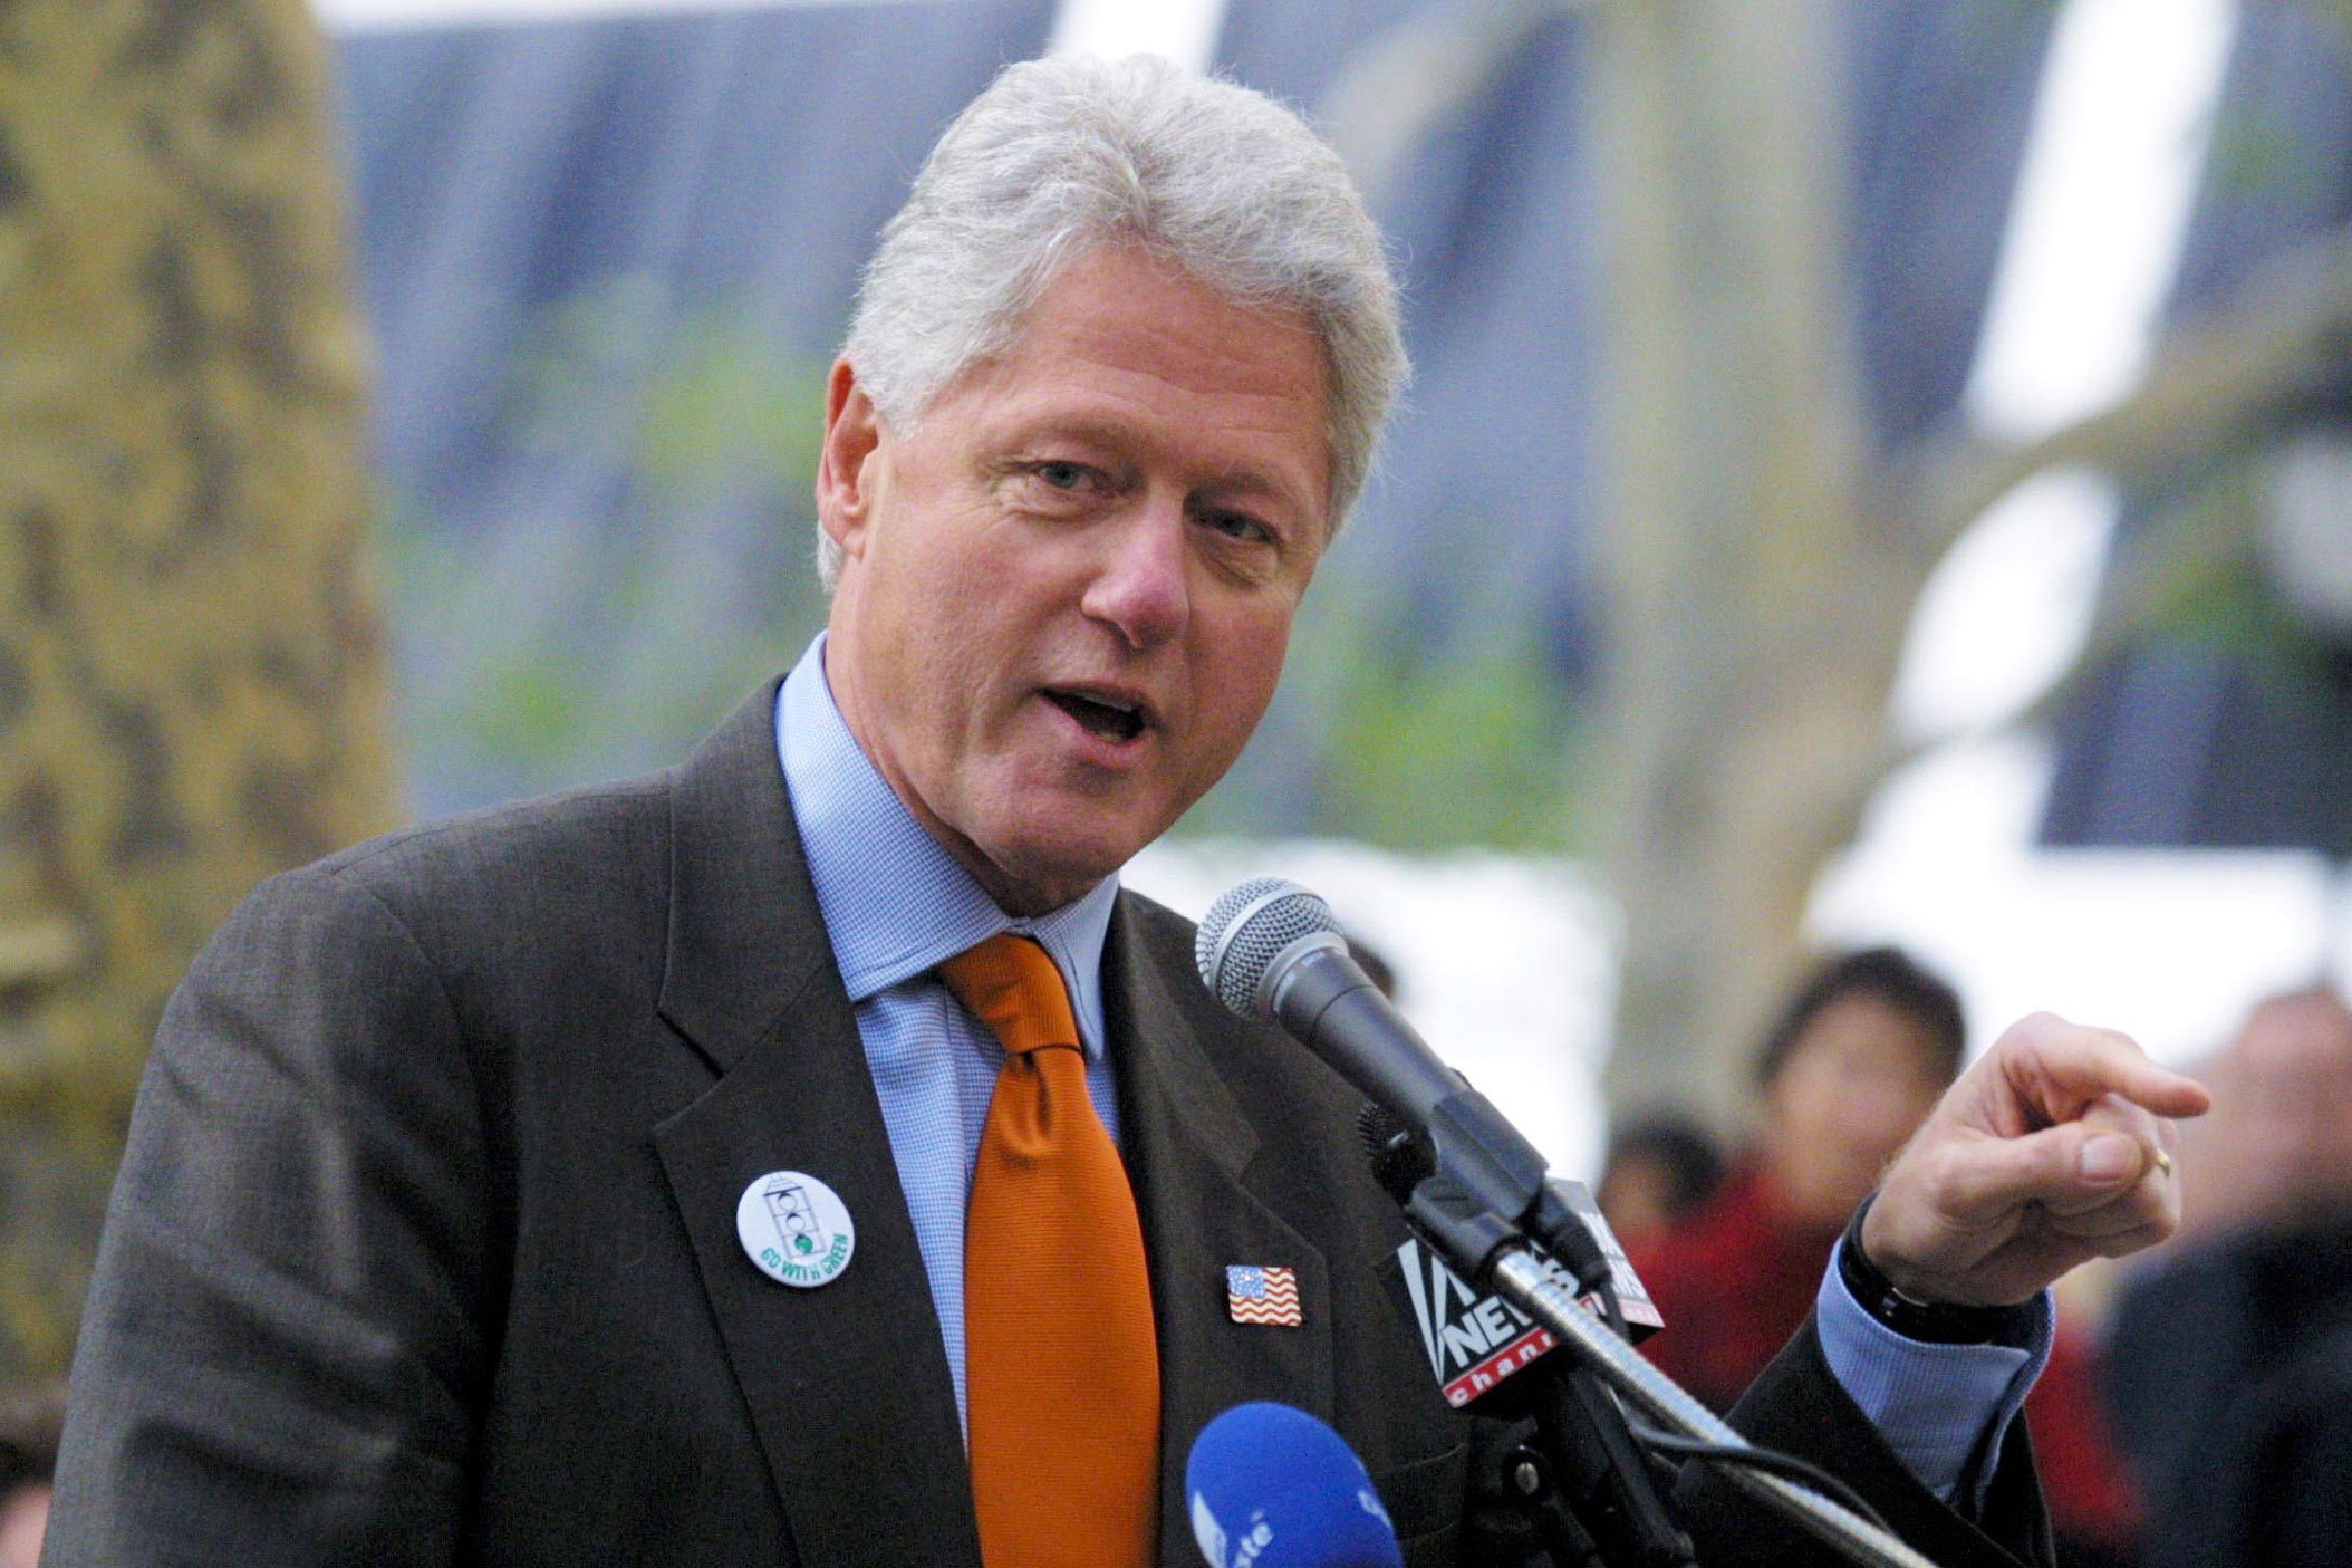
(1428, 754)
(1385, 735)
(2255, 153)
(729, 404)
(2199, 568)
(544, 649)
(532, 711)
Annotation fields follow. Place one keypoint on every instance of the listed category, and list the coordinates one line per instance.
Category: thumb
(2068, 1169)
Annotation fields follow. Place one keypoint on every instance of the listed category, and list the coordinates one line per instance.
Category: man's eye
(1240, 525)
(1061, 475)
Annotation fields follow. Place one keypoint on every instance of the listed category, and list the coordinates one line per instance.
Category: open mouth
(1109, 717)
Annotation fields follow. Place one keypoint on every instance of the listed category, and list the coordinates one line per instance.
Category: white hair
(1058, 157)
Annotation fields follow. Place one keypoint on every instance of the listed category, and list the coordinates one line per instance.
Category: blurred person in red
(2230, 1364)
(1851, 1067)
(1856, 1059)
(1658, 1171)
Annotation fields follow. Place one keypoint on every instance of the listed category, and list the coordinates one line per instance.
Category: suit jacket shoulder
(423, 1248)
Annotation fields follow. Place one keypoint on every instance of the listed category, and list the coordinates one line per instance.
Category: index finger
(2062, 1067)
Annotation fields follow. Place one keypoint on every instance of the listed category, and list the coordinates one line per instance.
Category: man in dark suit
(616, 1178)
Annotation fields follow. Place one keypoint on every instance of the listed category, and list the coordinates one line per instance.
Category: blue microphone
(1272, 1486)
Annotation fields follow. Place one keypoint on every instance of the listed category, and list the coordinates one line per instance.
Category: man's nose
(1140, 588)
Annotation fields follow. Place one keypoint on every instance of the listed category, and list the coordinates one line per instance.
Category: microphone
(1271, 1487)
(1474, 1190)
(1274, 952)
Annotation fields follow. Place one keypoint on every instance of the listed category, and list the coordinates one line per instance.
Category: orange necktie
(1061, 1365)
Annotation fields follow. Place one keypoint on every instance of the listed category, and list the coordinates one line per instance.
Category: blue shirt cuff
(1938, 1406)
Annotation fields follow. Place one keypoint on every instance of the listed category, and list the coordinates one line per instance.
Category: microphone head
(1247, 929)
(1271, 1487)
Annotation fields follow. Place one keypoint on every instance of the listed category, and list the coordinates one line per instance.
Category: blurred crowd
(2198, 1408)
(2228, 1364)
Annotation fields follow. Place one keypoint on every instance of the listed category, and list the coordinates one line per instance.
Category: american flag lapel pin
(1254, 1294)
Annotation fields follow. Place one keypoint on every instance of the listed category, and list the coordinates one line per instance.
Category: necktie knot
(1010, 984)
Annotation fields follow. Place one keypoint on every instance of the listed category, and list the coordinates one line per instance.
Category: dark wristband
(1929, 1322)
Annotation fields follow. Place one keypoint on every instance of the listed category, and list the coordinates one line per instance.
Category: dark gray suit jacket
(423, 1248)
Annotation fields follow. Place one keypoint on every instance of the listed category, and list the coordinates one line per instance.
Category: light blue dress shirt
(1938, 1406)
(896, 905)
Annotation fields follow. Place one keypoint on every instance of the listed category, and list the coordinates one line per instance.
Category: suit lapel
(1190, 1149)
(846, 1384)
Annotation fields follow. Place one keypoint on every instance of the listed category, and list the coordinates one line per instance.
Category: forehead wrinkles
(1117, 312)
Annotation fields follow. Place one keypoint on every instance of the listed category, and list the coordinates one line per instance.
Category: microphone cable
(1785, 1465)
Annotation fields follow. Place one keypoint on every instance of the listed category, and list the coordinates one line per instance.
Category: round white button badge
(796, 1229)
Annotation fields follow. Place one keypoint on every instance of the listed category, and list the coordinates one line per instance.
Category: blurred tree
(192, 684)
(560, 636)
(1753, 628)
(1760, 559)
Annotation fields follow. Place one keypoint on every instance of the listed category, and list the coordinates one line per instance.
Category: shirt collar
(895, 902)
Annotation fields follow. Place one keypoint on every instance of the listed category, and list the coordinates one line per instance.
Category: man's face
(1065, 595)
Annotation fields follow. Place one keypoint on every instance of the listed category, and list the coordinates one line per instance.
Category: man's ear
(845, 473)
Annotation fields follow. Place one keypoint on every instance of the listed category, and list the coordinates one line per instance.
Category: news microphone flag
(1476, 1342)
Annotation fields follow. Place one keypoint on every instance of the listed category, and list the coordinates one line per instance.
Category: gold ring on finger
(2163, 1162)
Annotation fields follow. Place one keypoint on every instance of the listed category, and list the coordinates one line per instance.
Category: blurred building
(608, 247)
